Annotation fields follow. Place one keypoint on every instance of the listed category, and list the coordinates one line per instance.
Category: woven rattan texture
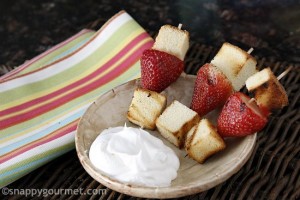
(272, 172)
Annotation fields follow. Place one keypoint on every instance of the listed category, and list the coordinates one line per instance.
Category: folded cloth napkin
(42, 100)
(59, 51)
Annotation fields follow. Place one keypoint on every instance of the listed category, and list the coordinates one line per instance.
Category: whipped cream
(133, 156)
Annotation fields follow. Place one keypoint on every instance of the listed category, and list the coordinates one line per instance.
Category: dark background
(28, 27)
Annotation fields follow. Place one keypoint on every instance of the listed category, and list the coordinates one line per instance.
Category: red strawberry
(159, 69)
(211, 89)
(239, 117)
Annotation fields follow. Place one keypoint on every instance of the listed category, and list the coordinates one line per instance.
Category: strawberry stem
(284, 73)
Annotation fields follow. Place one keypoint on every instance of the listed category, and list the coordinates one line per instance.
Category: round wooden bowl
(110, 109)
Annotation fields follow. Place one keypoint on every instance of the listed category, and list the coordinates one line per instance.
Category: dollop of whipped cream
(133, 156)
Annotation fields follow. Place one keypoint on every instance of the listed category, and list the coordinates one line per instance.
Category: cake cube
(203, 141)
(172, 40)
(236, 64)
(268, 91)
(145, 108)
(175, 122)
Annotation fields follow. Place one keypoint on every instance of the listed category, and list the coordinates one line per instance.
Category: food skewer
(269, 95)
(280, 76)
(226, 74)
(164, 62)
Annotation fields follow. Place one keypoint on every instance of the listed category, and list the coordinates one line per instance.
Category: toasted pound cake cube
(145, 108)
(203, 141)
(236, 64)
(267, 90)
(174, 123)
(172, 40)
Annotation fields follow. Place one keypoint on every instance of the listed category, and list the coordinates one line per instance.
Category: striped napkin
(42, 100)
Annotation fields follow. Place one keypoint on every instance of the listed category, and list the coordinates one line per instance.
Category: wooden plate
(110, 109)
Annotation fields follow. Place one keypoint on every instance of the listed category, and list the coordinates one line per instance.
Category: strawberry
(211, 89)
(239, 117)
(159, 69)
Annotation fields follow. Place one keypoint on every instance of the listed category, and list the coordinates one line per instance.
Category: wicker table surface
(273, 170)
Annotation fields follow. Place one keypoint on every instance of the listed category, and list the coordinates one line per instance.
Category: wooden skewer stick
(179, 26)
(250, 50)
(251, 100)
(284, 73)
